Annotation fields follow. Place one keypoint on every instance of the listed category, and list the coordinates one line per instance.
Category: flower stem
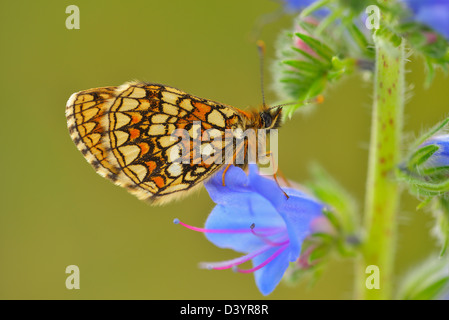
(382, 193)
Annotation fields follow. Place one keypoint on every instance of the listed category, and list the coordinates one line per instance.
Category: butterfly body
(126, 134)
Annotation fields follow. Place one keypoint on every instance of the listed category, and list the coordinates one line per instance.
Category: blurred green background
(55, 211)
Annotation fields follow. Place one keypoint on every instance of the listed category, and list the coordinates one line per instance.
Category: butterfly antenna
(318, 99)
(261, 49)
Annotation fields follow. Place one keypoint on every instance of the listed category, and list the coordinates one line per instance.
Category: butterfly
(126, 134)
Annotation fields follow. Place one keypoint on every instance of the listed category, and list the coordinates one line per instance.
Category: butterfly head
(271, 118)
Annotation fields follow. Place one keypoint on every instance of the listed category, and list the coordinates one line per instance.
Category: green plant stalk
(382, 193)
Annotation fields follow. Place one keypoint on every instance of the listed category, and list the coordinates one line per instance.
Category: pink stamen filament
(266, 240)
(262, 234)
(246, 230)
(263, 264)
(234, 262)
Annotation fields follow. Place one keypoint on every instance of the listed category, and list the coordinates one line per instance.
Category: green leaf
(424, 203)
(436, 174)
(430, 133)
(441, 230)
(335, 74)
(310, 57)
(316, 88)
(321, 237)
(320, 48)
(387, 35)
(327, 21)
(328, 190)
(430, 72)
(318, 253)
(304, 66)
(421, 156)
(422, 187)
(427, 281)
(360, 39)
(432, 290)
(434, 51)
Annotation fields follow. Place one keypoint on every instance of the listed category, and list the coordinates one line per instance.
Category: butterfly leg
(280, 174)
(270, 153)
(233, 160)
(224, 174)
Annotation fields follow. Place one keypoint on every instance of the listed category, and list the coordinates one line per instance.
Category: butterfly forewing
(127, 134)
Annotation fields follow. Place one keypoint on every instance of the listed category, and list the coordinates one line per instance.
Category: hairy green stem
(382, 193)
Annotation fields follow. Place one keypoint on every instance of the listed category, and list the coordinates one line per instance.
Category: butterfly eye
(266, 117)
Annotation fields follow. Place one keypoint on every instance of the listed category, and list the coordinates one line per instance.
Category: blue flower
(433, 13)
(441, 157)
(297, 5)
(253, 216)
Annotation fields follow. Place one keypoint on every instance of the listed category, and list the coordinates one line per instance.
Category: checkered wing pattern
(157, 141)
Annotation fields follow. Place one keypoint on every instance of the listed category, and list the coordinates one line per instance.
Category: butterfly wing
(84, 112)
(157, 141)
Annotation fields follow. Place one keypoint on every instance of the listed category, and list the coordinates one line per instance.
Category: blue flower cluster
(296, 5)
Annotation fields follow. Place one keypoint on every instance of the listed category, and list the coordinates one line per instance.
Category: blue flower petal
(256, 210)
(298, 214)
(436, 17)
(441, 157)
(298, 211)
(236, 182)
(433, 13)
(268, 277)
(296, 5)
(268, 188)
(417, 5)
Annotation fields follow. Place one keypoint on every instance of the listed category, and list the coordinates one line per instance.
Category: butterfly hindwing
(85, 111)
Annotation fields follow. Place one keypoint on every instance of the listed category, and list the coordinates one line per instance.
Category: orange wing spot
(144, 148)
(205, 165)
(98, 128)
(206, 126)
(151, 165)
(158, 181)
(136, 118)
(201, 110)
(134, 133)
(182, 123)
